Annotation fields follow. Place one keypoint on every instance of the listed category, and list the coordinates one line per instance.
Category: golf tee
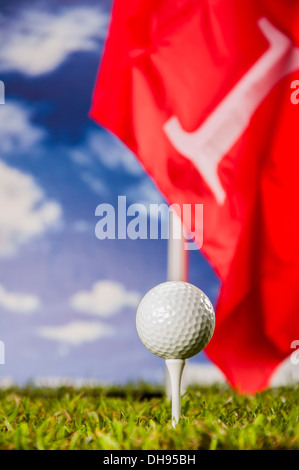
(175, 368)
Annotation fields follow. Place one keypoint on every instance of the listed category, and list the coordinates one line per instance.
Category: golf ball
(175, 320)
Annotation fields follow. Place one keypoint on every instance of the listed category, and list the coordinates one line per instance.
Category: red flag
(200, 91)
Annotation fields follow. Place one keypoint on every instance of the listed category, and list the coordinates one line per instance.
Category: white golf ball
(175, 320)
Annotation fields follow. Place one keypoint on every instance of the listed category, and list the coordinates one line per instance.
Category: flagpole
(177, 268)
(177, 259)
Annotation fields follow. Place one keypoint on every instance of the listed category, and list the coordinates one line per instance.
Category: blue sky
(68, 300)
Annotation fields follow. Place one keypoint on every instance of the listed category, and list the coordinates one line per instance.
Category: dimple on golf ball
(175, 320)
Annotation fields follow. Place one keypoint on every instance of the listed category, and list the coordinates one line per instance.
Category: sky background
(68, 300)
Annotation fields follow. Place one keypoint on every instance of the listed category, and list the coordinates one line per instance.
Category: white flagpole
(177, 258)
(177, 270)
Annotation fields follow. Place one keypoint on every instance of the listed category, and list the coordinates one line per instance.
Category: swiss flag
(200, 91)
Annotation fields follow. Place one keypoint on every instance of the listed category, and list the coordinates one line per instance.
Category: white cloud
(145, 192)
(113, 153)
(104, 299)
(103, 147)
(80, 157)
(17, 133)
(81, 226)
(24, 210)
(76, 333)
(18, 303)
(95, 184)
(37, 42)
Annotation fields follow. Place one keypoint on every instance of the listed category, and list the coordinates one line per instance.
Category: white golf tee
(175, 368)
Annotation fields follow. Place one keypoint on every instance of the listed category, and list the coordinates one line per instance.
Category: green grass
(138, 418)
